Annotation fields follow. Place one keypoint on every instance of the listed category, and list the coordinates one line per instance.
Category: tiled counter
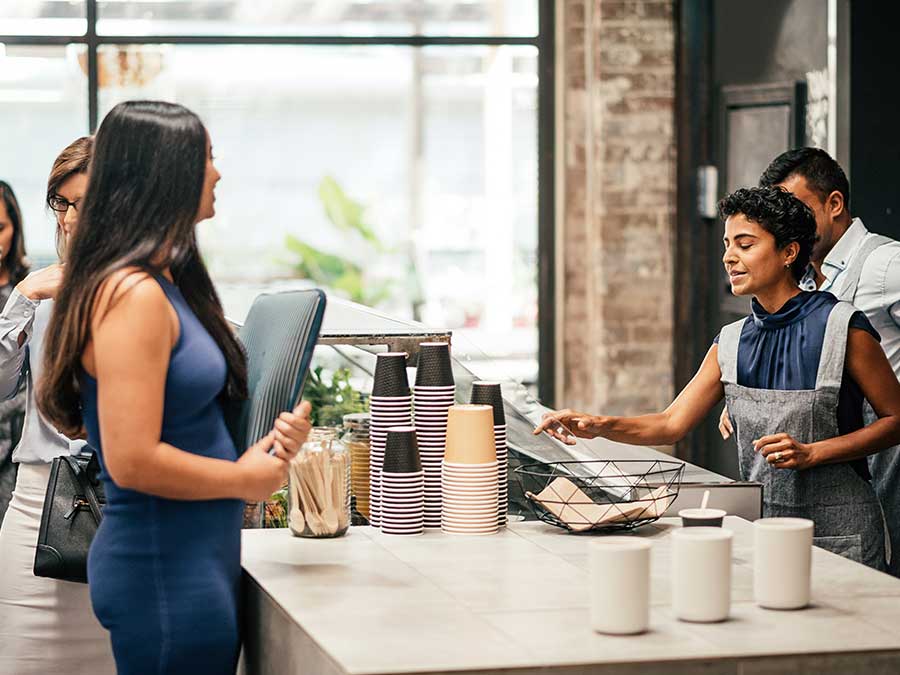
(517, 603)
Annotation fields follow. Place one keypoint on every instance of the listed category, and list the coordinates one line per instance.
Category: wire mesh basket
(600, 495)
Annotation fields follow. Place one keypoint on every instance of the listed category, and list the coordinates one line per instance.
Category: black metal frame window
(543, 41)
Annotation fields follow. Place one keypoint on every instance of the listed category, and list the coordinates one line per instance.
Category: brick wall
(618, 152)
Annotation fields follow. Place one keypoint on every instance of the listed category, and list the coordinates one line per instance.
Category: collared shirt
(40, 442)
(878, 293)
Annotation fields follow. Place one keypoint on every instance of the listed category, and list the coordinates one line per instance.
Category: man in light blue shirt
(857, 266)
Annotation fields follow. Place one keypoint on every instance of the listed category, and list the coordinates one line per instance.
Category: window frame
(544, 42)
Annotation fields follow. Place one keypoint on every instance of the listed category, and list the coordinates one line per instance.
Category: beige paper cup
(470, 435)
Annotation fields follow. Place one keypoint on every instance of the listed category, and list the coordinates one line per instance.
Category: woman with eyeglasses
(46, 625)
(13, 267)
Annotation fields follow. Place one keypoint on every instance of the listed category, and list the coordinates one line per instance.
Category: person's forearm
(166, 471)
(876, 437)
(652, 429)
(15, 323)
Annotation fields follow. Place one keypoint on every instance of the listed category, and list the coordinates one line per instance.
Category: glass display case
(352, 334)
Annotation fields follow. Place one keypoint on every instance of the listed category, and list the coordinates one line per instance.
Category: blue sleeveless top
(192, 414)
(164, 574)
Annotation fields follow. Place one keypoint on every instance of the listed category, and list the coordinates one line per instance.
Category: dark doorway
(874, 104)
(742, 69)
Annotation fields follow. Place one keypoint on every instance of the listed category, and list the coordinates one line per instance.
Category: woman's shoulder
(857, 318)
(132, 286)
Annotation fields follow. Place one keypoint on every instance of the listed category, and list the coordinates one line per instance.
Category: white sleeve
(16, 318)
(890, 288)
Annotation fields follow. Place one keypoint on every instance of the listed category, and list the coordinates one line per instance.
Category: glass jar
(356, 438)
(319, 487)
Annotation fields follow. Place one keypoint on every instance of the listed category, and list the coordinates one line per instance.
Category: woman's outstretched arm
(694, 402)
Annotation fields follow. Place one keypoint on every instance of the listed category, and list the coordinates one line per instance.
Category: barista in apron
(794, 373)
(835, 496)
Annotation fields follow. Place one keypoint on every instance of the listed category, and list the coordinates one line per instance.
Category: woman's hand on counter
(566, 425)
(785, 452)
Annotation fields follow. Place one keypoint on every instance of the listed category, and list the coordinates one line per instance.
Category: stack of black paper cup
(489, 393)
(433, 394)
(402, 484)
(391, 406)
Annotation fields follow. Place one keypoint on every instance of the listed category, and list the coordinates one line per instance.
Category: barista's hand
(725, 427)
(42, 284)
(565, 425)
(783, 452)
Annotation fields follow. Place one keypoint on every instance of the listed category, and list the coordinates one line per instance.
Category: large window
(388, 149)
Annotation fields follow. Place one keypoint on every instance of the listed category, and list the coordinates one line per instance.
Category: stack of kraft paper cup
(469, 475)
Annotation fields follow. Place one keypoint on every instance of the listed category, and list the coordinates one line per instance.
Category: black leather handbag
(73, 509)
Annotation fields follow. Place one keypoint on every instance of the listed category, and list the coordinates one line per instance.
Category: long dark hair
(141, 205)
(15, 260)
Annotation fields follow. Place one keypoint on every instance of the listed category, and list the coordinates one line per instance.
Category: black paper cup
(401, 454)
(701, 517)
(489, 393)
(390, 375)
(434, 368)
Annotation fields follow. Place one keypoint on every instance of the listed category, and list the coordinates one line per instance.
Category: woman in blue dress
(139, 354)
(794, 374)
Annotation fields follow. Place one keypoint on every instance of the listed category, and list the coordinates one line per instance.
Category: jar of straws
(319, 488)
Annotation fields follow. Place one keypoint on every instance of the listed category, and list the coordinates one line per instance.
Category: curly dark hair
(781, 214)
(822, 173)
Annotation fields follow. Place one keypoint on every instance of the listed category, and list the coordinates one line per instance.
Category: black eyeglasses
(61, 204)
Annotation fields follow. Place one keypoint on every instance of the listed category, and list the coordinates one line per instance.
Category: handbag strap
(85, 483)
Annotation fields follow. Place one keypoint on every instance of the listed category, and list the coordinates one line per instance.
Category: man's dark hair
(781, 214)
(822, 173)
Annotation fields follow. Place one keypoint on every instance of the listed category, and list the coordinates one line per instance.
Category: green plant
(331, 399)
(337, 273)
(276, 509)
(334, 271)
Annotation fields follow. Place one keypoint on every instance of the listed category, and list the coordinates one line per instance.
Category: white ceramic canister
(701, 573)
(782, 562)
(620, 585)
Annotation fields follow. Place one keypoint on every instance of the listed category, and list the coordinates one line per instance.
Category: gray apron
(885, 465)
(843, 506)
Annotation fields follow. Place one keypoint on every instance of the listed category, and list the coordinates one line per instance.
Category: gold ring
(776, 456)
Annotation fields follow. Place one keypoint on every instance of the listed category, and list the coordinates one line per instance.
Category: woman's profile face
(6, 230)
(71, 190)
(210, 178)
(751, 259)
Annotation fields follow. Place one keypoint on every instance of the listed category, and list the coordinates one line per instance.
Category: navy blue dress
(781, 350)
(164, 574)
